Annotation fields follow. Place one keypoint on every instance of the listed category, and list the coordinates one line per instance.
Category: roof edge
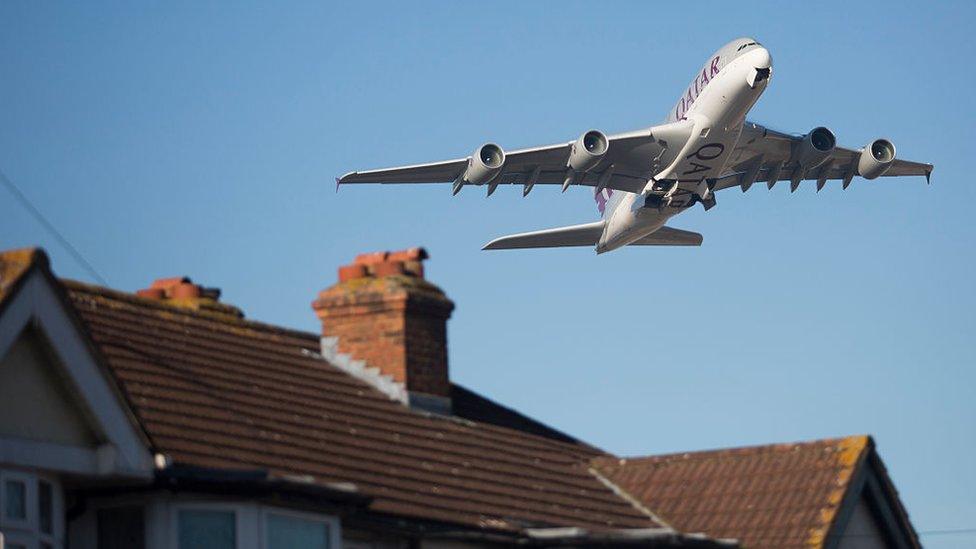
(854, 455)
(871, 476)
(15, 265)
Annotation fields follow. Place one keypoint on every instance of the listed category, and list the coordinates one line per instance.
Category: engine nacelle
(484, 164)
(815, 147)
(587, 151)
(876, 157)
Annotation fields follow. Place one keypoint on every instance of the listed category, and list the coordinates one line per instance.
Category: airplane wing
(630, 160)
(588, 234)
(767, 155)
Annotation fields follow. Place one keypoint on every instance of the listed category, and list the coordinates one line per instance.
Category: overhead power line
(26, 203)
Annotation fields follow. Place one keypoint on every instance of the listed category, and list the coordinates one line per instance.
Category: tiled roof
(784, 495)
(214, 390)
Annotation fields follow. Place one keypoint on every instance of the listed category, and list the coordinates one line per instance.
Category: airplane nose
(761, 67)
(761, 59)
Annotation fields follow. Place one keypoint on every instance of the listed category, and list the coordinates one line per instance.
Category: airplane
(643, 178)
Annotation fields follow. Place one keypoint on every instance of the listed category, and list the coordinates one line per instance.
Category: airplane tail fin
(588, 234)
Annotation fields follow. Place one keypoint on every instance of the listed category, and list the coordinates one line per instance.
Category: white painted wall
(35, 403)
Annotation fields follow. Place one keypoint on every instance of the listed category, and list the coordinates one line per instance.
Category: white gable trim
(124, 451)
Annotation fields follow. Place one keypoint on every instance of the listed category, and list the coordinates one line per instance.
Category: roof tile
(783, 495)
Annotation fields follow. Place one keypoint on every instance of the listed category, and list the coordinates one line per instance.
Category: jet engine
(484, 164)
(815, 148)
(587, 151)
(876, 158)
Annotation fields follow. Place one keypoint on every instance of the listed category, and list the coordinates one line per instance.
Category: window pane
(291, 532)
(45, 505)
(121, 528)
(202, 529)
(16, 499)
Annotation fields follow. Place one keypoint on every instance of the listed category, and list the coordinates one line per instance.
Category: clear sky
(201, 140)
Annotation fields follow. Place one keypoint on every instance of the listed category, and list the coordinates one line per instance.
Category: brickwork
(384, 312)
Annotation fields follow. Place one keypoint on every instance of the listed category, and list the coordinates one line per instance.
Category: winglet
(337, 185)
(928, 176)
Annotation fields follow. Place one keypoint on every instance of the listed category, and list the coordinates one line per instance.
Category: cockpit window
(747, 44)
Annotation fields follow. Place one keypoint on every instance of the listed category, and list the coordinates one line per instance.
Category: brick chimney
(182, 292)
(384, 313)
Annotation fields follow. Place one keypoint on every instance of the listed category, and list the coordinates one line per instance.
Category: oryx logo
(601, 199)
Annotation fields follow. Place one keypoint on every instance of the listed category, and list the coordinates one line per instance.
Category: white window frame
(55, 537)
(331, 523)
(28, 531)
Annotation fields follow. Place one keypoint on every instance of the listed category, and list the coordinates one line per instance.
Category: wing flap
(776, 152)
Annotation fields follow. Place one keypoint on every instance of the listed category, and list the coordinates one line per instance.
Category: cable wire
(26, 203)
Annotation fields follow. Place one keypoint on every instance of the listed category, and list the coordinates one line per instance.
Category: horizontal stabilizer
(588, 234)
(666, 236)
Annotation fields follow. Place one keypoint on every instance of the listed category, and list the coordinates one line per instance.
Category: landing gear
(669, 194)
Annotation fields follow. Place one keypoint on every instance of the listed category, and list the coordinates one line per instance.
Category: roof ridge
(132, 298)
(526, 439)
(741, 450)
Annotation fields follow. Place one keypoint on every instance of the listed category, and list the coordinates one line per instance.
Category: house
(165, 418)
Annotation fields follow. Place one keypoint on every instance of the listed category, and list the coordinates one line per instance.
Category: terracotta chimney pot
(352, 272)
(388, 268)
(184, 290)
(371, 258)
(167, 283)
(152, 293)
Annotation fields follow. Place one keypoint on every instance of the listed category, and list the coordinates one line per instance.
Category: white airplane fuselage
(716, 103)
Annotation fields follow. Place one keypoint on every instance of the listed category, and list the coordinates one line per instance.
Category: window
(45, 506)
(31, 510)
(15, 499)
(287, 531)
(248, 525)
(207, 529)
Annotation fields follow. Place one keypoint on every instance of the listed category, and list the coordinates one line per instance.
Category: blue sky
(200, 140)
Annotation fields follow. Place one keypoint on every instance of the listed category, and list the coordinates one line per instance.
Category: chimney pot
(166, 283)
(152, 293)
(352, 272)
(371, 258)
(184, 290)
(413, 254)
(388, 268)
